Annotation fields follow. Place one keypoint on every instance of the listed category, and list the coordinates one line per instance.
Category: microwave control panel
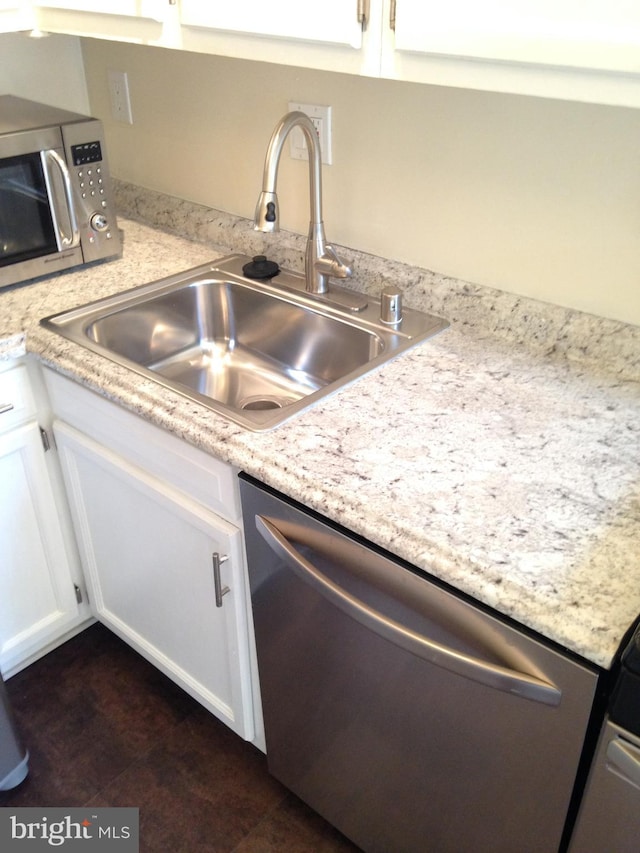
(85, 152)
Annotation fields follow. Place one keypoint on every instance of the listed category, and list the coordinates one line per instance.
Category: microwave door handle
(51, 159)
(491, 675)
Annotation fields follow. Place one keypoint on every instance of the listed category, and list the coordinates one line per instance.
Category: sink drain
(260, 404)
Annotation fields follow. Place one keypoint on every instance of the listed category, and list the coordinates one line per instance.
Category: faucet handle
(329, 264)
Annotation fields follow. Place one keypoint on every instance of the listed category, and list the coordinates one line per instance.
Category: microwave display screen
(88, 152)
(26, 226)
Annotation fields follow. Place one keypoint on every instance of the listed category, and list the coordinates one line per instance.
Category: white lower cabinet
(40, 584)
(163, 571)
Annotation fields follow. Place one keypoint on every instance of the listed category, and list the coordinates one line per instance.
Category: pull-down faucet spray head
(321, 261)
(267, 212)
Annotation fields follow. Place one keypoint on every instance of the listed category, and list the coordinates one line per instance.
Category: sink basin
(255, 351)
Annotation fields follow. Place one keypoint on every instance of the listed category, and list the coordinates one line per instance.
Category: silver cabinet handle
(498, 677)
(6, 407)
(217, 580)
(624, 759)
(50, 158)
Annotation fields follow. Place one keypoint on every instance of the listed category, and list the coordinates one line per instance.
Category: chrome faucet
(321, 261)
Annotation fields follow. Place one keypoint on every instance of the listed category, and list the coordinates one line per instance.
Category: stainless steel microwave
(56, 202)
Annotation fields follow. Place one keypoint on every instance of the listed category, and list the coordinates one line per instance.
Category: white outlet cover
(321, 117)
(119, 96)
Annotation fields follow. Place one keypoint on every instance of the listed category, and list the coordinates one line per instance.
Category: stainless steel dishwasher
(412, 720)
(609, 817)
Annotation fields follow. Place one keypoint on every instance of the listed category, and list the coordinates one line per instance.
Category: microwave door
(26, 226)
(58, 183)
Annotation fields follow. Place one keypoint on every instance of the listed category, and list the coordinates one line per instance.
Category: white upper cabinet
(331, 35)
(331, 21)
(139, 21)
(154, 9)
(589, 34)
(15, 16)
(585, 50)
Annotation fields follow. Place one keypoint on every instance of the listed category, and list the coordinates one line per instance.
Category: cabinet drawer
(210, 482)
(17, 403)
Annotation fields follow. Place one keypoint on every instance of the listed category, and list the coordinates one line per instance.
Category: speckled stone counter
(501, 456)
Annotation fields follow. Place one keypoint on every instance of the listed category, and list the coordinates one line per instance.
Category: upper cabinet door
(588, 34)
(154, 9)
(121, 20)
(582, 50)
(331, 21)
(15, 16)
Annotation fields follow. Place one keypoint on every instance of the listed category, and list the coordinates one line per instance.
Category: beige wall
(47, 69)
(532, 196)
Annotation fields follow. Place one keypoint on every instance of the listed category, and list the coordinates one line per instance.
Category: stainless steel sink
(257, 352)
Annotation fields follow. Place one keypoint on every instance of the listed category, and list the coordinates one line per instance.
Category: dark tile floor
(105, 728)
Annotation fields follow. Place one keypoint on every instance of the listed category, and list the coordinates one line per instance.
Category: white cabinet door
(138, 21)
(590, 34)
(133, 8)
(37, 594)
(15, 16)
(148, 553)
(330, 21)
(583, 50)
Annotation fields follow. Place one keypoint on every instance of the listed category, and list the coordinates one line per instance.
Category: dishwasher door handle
(623, 758)
(491, 675)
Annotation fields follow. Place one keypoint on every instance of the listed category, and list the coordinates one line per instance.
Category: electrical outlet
(321, 118)
(119, 95)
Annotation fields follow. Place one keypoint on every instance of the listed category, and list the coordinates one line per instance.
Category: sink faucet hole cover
(260, 268)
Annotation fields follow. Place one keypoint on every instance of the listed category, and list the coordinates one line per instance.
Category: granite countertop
(503, 464)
